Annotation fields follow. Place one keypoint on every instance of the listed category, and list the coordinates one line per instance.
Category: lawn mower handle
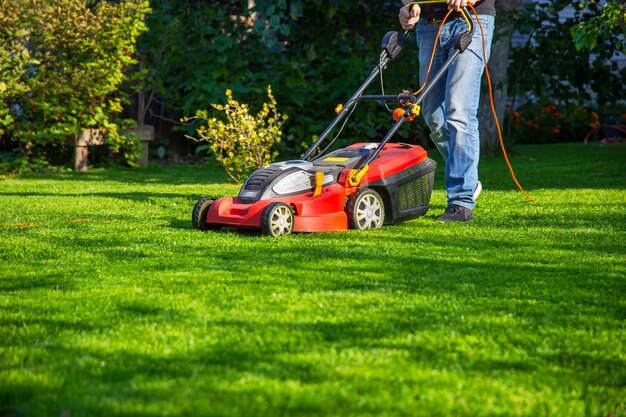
(391, 46)
(461, 43)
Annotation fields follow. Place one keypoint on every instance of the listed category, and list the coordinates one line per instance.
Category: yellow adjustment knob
(339, 108)
(319, 182)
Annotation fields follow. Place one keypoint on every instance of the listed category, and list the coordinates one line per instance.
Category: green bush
(551, 123)
(548, 70)
(15, 162)
(313, 53)
(73, 58)
(607, 22)
(15, 59)
(243, 143)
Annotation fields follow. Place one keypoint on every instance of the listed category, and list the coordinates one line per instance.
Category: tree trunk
(498, 64)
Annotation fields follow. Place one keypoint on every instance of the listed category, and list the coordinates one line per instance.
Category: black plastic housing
(392, 43)
(463, 40)
(408, 192)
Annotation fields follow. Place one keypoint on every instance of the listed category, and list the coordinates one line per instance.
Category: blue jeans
(450, 109)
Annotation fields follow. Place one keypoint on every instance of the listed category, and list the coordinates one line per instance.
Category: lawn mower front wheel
(199, 214)
(277, 220)
(365, 210)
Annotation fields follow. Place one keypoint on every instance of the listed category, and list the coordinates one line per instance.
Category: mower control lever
(463, 40)
(393, 42)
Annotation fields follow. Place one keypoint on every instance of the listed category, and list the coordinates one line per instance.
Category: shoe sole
(454, 221)
(477, 190)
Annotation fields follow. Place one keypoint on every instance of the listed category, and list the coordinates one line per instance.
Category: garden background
(70, 65)
(111, 304)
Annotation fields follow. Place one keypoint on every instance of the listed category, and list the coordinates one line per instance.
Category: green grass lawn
(112, 305)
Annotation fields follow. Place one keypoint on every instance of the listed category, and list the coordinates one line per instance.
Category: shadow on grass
(30, 282)
(209, 173)
(131, 196)
(554, 166)
(328, 364)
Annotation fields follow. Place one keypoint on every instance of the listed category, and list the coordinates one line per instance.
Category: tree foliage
(313, 53)
(68, 59)
(601, 21)
(547, 70)
(15, 59)
(63, 62)
(316, 53)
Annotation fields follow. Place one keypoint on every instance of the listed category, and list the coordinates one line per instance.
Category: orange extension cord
(493, 108)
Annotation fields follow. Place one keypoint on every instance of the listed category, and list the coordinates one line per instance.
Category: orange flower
(549, 108)
(557, 115)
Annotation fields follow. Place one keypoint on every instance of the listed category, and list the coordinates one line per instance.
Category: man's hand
(409, 17)
(457, 4)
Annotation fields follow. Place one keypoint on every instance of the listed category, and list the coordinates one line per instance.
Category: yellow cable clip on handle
(355, 176)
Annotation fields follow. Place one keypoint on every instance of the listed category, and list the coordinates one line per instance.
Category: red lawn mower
(362, 186)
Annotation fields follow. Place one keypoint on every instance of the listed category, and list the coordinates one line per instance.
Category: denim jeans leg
(461, 103)
(450, 110)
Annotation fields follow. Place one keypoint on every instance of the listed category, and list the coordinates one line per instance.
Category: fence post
(88, 137)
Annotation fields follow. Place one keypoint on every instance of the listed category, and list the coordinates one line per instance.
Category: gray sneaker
(477, 190)
(456, 213)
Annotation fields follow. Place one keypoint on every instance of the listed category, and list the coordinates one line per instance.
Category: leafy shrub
(549, 123)
(15, 60)
(243, 143)
(74, 58)
(606, 21)
(314, 54)
(15, 162)
(548, 68)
